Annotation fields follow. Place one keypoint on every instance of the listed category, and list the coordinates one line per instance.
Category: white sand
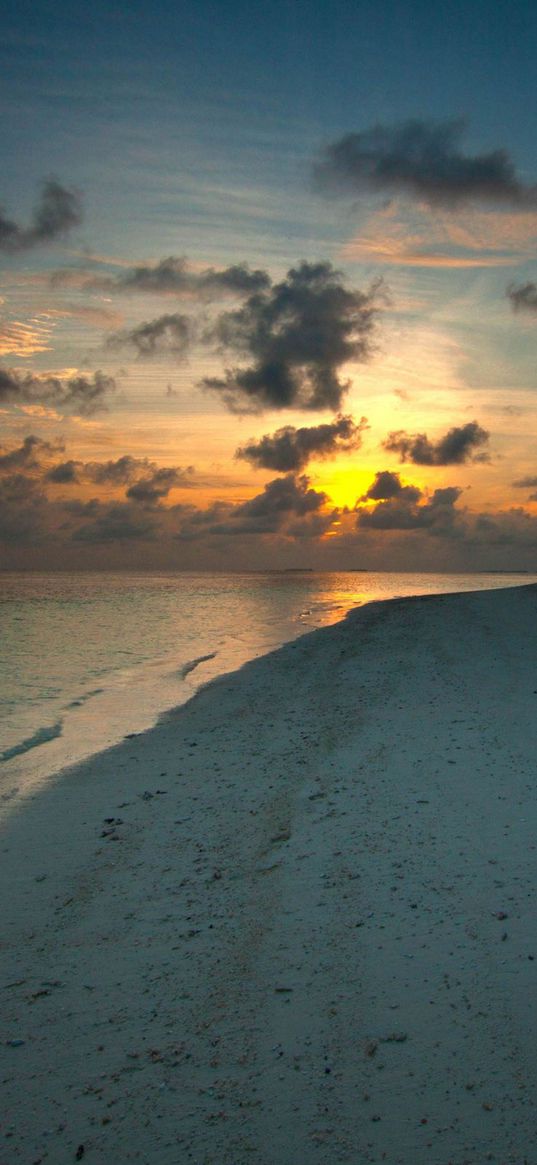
(318, 943)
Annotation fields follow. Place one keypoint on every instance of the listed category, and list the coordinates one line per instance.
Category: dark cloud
(27, 455)
(173, 276)
(79, 509)
(525, 483)
(147, 481)
(284, 495)
(167, 335)
(298, 335)
(121, 471)
(290, 449)
(64, 473)
(523, 298)
(81, 395)
(28, 467)
(238, 279)
(422, 159)
(511, 528)
(23, 510)
(158, 485)
(456, 447)
(57, 211)
(288, 506)
(118, 522)
(17, 487)
(402, 512)
(387, 485)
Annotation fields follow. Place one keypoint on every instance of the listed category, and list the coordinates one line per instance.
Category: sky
(269, 285)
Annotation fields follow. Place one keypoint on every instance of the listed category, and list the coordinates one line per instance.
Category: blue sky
(142, 101)
(193, 130)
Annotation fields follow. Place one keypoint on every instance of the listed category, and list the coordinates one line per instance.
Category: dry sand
(308, 932)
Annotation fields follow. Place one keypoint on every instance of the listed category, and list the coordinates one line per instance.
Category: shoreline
(100, 708)
(288, 941)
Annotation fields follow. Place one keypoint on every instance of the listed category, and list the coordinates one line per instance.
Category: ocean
(88, 658)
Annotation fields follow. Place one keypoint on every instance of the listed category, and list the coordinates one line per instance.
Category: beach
(295, 921)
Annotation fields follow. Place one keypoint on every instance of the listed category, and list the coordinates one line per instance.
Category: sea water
(88, 658)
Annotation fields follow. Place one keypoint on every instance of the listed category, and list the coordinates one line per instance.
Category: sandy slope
(311, 936)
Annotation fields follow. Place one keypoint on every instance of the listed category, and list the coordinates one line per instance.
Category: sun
(344, 486)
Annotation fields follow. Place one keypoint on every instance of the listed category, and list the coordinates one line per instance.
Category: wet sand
(295, 922)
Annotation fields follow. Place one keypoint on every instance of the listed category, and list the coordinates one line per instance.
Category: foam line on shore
(295, 919)
(41, 736)
(192, 664)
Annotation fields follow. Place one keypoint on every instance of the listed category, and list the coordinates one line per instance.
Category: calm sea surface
(87, 658)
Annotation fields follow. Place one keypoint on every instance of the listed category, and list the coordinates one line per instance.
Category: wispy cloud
(20, 338)
(96, 316)
(421, 237)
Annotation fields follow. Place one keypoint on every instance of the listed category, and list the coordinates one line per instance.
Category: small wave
(83, 699)
(40, 737)
(192, 663)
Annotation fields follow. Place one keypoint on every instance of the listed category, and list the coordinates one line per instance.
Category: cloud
(512, 528)
(57, 211)
(122, 470)
(290, 449)
(171, 276)
(457, 446)
(287, 505)
(422, 160)
(157, 485)
(298, 335)
(28, 455)
(118, 522)
(147, 482)
(525, 483)
(23, 510)
(420, 236)
(405, 510)
(81, 395)
(24, 339)
(523, 298)
(281, 496)
(167, 335)
(64, 473)
(17, 487)
(414, 253)
(387, 485)
(99, 317)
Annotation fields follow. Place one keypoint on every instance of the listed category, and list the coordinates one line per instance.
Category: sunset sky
(269, 285)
